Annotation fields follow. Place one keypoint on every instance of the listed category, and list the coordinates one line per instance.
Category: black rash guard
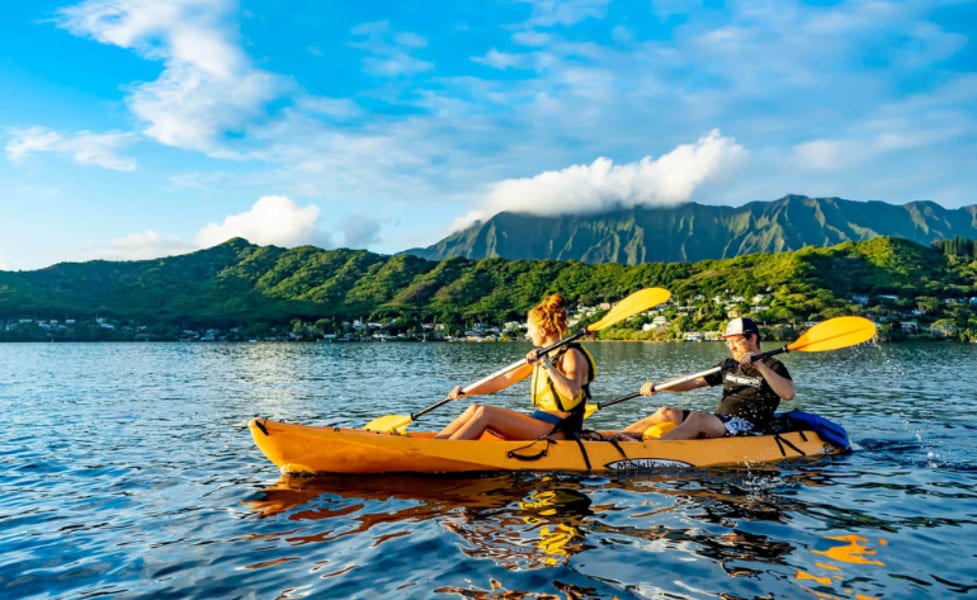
(747, 394)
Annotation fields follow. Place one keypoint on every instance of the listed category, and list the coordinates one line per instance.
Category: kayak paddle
(636, 303)
(839, 332)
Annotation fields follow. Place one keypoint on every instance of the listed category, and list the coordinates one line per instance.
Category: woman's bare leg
(508, 423)
(699, 424)
(663, 414)
(452, 427)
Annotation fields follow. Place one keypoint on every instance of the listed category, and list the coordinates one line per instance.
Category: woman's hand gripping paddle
(833, 334)
(630, 306)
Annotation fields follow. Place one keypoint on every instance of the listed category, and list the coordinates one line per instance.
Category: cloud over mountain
(581, 189)
(272, 220)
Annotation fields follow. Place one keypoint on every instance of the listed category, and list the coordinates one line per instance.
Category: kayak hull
(305, 449)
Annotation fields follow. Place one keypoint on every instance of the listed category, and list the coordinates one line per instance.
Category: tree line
(303, 292)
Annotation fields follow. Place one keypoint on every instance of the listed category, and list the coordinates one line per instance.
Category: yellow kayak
(316, 449)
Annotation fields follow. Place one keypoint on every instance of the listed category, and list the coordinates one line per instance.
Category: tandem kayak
(305, 449)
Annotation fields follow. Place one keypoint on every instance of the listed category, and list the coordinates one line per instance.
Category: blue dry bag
(827, 430)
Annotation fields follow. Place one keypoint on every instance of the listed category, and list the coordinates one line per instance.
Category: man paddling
(752, 391)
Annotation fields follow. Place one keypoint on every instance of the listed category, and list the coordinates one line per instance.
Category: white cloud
(84, 147)
(272, 220)
(187, 109)
(360, 230)
(844, 154)
(912, 126)
(97, 149)
(823, 155)
(502, 60)
(601, 185)
(548, 13)
(336, 108)
(35, 139)
(138, 246)
(622, 35)
(208, 87)
(389, 52)
(536, 39)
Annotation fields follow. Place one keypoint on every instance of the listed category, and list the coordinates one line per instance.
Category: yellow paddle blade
(389, 423)
(833, 334)
(634, 304)
(590, 410)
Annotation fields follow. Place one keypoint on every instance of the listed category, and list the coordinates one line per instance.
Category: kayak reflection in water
(560, 386)
(518, 521)
(552, 517)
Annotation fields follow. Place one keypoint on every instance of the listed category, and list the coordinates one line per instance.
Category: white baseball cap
(741, 326)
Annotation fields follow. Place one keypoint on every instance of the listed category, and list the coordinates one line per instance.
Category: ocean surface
(128, 472)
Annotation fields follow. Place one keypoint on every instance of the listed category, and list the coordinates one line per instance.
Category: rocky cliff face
(692, 232)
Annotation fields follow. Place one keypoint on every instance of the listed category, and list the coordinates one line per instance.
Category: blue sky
(137, 128)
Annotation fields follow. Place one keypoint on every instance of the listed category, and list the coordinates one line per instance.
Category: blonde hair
(551, 315)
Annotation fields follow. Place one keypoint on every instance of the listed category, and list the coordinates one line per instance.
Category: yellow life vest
(544, 394)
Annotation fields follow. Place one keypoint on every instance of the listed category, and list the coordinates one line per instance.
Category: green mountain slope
(237, 284)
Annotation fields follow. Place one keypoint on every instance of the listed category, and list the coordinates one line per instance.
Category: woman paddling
(559, 391)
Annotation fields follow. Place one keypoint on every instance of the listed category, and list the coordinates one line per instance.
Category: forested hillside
(252, 290)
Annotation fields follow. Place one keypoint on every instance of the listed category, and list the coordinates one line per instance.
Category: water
(128, 471)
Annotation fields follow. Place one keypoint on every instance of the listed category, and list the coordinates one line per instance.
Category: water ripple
(126, 470)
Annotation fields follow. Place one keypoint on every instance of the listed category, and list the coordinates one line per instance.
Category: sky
(136, 129)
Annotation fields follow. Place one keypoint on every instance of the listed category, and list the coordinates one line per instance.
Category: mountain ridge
(691, 232)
